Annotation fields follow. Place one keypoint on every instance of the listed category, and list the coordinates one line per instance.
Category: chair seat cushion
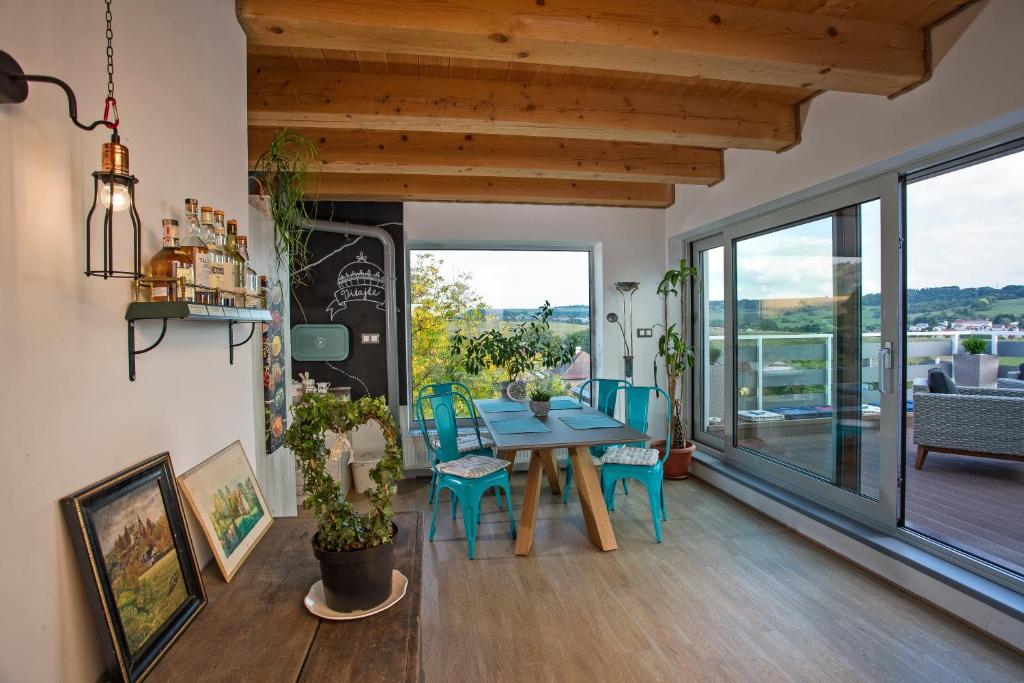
(630, 455)
(468, 442)
(472, 466)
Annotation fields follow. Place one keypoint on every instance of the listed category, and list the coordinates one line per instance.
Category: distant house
(972, 325)
(576, 372)
(918, 327)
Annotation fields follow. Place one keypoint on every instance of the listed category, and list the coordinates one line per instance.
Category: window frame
(475, 245)
(695, 318)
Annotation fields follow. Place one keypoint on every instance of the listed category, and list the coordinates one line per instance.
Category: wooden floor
(729, 595)
(973, 504)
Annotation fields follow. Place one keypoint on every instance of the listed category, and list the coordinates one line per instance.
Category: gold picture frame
(226, 499)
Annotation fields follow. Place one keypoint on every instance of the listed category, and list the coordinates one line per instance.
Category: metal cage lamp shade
(114, 192)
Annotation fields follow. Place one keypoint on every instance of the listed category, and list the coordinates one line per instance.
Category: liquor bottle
(217, 255)
(175, 264)
(194, 244)
(227, 276)
(237, 261)
(252, 280)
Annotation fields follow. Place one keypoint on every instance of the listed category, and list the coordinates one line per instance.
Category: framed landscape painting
(226, 500)
(136, 557)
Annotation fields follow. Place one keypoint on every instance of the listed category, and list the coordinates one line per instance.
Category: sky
(520, 279)
(964, 228)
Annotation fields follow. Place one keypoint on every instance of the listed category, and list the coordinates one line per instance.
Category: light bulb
(118, 200)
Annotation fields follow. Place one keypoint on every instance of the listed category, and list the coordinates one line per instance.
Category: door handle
(885, 368)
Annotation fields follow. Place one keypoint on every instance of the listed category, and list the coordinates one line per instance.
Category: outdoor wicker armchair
(974, 421)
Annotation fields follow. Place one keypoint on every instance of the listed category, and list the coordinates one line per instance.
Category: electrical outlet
(642, 332)
(370, 337)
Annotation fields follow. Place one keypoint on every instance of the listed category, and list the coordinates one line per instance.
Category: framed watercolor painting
(136, 557)
(226, 500)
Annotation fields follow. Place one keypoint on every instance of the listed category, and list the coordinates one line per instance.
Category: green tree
(441, 306)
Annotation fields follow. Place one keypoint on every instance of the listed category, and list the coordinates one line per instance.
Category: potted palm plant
(974, 367)
(355, 551)
(677, 356)
(515, 350)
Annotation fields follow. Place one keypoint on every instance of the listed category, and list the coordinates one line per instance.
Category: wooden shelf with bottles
(190, 311)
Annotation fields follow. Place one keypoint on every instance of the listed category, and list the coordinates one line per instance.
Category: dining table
(545, 435)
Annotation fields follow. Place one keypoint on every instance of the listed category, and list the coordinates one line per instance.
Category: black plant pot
(356, 579)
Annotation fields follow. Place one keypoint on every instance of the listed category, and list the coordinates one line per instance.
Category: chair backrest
(638, 401)
(603, 393)
(456, 388)
(444, 408)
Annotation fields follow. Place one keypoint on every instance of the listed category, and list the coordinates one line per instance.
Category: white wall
(70, 416)
(977, 78)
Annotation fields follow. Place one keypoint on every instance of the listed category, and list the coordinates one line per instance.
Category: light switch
(642, 332)
(370, 337)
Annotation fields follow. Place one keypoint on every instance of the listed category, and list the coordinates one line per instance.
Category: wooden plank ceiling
(598, 102)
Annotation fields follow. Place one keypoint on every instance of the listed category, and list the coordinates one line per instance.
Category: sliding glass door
(708, 297)
(811, 299)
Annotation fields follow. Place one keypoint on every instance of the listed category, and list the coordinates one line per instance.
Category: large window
(965, 286)
(471, 290)
(710, 368)
(807, 313)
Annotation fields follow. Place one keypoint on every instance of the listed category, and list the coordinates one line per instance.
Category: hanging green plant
(288, 170)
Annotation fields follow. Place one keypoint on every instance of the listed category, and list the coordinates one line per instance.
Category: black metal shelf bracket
(231, 340)
(131, 346)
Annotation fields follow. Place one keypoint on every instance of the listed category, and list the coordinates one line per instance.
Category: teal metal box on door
(320, 342)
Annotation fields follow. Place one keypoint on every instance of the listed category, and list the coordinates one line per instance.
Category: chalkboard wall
(341, 285)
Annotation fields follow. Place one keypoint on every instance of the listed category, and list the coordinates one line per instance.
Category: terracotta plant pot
(356, 579)
(677, 466)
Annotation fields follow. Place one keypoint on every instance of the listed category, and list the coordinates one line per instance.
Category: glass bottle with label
(173, 265)
(227, 275)
(217, 254)
(237, 261)
(193, 243)
(251, 279)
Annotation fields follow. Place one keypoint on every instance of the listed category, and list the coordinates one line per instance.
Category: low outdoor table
(542, 447)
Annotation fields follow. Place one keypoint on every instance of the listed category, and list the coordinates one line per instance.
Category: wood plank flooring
(729, 596)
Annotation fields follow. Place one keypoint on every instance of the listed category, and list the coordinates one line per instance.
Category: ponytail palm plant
(673, 349)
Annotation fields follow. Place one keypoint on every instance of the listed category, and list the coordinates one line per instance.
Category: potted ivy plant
(515, 350)
(678, 357)
(974, 367)
(355, 551)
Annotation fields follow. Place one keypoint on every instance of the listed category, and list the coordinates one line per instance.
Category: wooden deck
(973, 504)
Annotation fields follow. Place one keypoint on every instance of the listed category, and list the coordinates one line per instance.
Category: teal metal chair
(603, 395)
(466, 449)
(638, 405)
(467, 477)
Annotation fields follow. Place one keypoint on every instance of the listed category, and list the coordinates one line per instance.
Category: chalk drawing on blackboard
(358, 281)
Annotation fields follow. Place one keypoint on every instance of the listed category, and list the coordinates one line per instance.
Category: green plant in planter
(675, 352)
(286, 170)
(339, 526)
(547, 388)
(974, 345)
(515, 350)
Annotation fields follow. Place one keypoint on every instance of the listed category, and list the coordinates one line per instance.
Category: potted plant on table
(515, 350)
(974, 367)
(542, 392)
(355, 550)
(678, 357)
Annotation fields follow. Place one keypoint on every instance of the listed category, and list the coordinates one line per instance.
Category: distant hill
(579, 313)
(930, 306)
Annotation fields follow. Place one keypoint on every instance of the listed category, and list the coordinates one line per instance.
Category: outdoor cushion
(760, 415)
(940, 383)
(472, 466)
(467, 442)
(630, 455)
(797, 412)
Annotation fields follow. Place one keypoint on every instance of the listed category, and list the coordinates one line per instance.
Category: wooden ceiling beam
(677, 37)
(412, 188)
(326, 99)
(456, 154)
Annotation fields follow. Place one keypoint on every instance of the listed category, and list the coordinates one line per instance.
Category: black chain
(110, 52)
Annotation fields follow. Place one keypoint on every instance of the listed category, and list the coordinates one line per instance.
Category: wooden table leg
(510, 456)
(547, 459)
(595, 514)
(524, 533)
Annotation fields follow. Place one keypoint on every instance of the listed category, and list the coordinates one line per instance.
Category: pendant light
(113, 184)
